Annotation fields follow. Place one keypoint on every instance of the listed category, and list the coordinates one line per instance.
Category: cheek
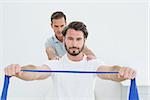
(55, 29)
(62, 27)
(67, 43)
(80, 44)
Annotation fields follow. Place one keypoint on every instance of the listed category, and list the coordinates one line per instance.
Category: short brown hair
(78, 26)
(58, 15)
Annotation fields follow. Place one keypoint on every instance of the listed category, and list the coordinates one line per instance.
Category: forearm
(114, 77)
(28, 76)
(117, 77)
(50, 53)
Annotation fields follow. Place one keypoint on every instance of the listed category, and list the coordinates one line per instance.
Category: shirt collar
(68, 60)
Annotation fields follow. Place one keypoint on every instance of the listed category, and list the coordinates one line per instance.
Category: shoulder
(51, 39)
(97, 62)
(52, 64)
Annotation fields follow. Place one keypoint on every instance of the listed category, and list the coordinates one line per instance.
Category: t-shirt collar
(84, 58)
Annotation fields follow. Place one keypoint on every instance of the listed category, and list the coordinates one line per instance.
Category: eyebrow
(76, 38)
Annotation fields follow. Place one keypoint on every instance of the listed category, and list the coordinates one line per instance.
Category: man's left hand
(90, 57)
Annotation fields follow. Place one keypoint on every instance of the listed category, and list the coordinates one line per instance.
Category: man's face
(74, 42)
(58, 25)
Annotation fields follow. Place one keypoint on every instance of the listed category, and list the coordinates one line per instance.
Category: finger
(6, 71)
(12, 69)
(87, 58)
(127, 73)
(133, 74)
(118, 76)
(124, 72)
(9, 72)
(18, 68)
(121, 71)
(57, 58)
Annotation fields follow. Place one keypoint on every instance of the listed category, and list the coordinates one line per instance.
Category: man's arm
(124, 73)
(15, 70)
(90, 55)
(51, 53)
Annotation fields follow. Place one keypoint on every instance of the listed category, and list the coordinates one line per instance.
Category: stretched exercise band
(133, 93)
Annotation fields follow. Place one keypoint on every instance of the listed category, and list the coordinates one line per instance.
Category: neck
(60, 38)
(76, 58)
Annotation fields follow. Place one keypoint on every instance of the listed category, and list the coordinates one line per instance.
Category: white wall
(1, 20)
(118, 30)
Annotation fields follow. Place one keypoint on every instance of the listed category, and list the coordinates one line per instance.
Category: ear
(51, 25)
(65, 23)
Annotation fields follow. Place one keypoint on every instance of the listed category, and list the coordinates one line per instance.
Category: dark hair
(78, 26)
(58, 15)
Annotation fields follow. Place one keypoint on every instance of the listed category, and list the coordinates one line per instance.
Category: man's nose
(60, 29)
(74, 43)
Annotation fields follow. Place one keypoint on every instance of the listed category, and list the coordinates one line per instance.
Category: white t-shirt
(74, 86)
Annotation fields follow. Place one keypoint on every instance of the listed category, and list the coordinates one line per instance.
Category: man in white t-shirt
(72, 86)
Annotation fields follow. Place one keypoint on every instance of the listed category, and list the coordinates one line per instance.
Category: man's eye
(78, 39)
(56, 26)
(70, 38)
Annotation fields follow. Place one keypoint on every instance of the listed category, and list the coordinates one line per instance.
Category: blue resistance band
(133, 93)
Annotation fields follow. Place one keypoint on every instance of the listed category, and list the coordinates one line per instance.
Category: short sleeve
(48, 43)
(95, 63)
(53, 64)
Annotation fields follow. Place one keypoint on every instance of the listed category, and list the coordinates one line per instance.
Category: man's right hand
(12, 70)
(15, 70)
